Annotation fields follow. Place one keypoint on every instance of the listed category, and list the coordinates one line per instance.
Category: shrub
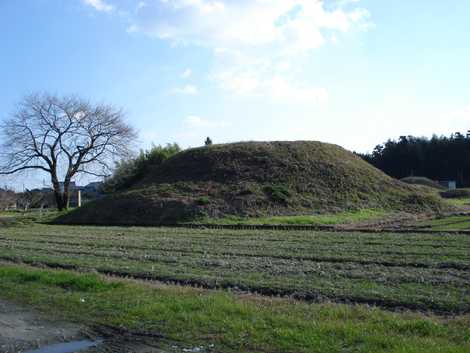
(277, 193)
(202, 201)
(129, 172)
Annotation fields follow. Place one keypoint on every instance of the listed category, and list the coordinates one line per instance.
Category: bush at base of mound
(255, 179)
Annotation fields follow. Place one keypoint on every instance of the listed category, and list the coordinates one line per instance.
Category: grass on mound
(320, 219)
(226, 322)
(256, 179)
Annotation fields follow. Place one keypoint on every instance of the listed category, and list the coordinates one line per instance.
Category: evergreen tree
(437, 158)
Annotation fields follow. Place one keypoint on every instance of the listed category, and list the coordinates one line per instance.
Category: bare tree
(64, 137)
(34, 199)
(7, 198)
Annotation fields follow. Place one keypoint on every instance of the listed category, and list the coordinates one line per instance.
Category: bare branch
(101, 175)
(64, 136)
(13, 171)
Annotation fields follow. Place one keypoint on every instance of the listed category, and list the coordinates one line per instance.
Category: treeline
(437, 158)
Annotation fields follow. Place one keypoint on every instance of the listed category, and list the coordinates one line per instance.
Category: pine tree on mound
(255, 179)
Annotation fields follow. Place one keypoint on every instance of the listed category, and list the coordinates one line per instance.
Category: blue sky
(348, 72)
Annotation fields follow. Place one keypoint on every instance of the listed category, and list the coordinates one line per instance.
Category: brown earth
(22, 329)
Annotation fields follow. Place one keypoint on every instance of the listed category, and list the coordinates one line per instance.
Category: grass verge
(229, 322)
(450, 223)
(459, 202)
(317, 219)
(23, 218)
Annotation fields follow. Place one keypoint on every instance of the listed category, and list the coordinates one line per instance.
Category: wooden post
(79, 198)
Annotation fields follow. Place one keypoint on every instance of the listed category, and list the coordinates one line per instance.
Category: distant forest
(437, 158)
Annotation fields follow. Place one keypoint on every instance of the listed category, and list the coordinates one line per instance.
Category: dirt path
(22, 329)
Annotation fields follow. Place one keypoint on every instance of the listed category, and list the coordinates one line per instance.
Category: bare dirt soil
(22, 330)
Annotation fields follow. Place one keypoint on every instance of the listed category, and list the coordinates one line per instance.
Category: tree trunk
(66, 191)
(65, 196)
(59, 199)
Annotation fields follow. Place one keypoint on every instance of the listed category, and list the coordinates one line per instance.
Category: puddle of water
(69, 347)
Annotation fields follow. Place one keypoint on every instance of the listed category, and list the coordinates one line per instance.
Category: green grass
(417, 271)
(318, 219)
(458, 202)
(230, 322)
(447, 223)
(19, 218)
(456, 198)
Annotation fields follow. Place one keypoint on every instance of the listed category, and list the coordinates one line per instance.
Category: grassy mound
(255, 179)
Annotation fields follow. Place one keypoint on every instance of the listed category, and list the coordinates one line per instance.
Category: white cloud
(187, 89)
(257, 44)
(297, 23)
(99, 5)
(277, 88)
(140, 5)
(186, 73)
(196, 122)
(263, 77)
(132, 29)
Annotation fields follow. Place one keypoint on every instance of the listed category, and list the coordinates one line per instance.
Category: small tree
(64, 137)
(208, 141)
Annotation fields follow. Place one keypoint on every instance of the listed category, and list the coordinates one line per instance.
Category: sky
(349, 72)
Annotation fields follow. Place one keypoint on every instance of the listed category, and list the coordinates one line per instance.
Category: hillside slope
(255, 179)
